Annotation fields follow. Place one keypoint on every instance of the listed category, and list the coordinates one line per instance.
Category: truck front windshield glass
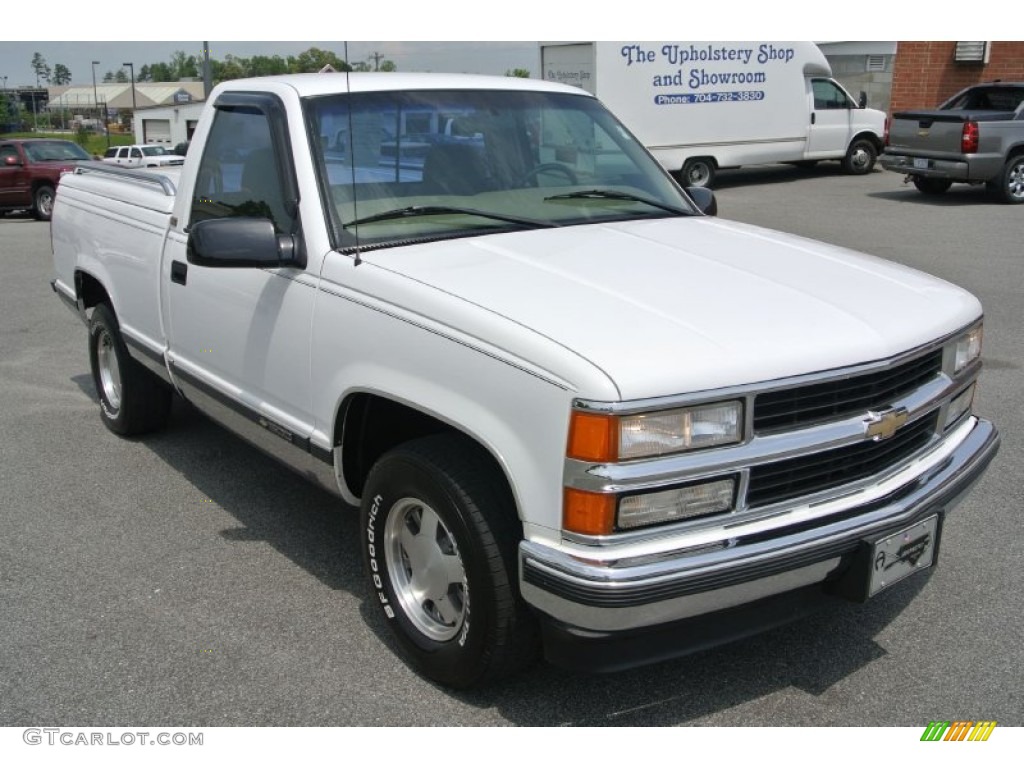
(424, 164)
(49, 151)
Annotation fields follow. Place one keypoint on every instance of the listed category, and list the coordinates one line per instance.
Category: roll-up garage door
(156, 131)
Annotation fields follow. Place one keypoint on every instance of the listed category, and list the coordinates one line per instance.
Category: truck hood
(677, 305)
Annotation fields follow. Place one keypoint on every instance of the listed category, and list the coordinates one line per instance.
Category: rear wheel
(42, 203)
(931, 186)
(698, 172)
(1010, 186)
(440, 542)
(132, 400)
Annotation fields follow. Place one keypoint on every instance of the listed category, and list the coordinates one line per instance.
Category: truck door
(829, 132)
(240, 336)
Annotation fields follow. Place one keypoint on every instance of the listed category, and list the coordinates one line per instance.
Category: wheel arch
(368, 424)
(91, 291)
(871, 136)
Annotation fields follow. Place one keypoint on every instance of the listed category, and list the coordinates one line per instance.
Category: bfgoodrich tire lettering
(440, 539)
(132, 400)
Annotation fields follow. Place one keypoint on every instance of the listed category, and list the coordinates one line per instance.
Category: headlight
(606, 437)
(967, 349)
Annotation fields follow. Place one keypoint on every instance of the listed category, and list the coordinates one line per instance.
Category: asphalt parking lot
(186, 579)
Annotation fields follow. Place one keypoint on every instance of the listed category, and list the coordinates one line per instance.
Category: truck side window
(239, 174)
(136, 153)
(828, 96)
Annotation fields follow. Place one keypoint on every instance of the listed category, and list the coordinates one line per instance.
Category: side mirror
(863, 100)
(241, 242)
(704, 199)
(11, 160)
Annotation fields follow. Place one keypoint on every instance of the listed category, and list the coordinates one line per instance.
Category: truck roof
(317, 84)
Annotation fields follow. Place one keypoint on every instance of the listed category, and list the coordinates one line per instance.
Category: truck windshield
(434, 164)
(48, 151)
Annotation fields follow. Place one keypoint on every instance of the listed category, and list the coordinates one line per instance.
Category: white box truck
(701, 106)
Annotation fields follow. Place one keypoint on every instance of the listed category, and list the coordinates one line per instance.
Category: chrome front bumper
(608, 596)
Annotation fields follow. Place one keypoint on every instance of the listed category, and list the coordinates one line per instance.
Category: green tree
(315, 59)
(387, 66)
(183, 65)
(232, 68)
(42, 69)
(108, 77)
(121, 76)
(260, 66)
(517, 72)
(162, 73)
(61, 75)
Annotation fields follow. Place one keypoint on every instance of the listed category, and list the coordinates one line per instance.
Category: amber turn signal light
(593, 436)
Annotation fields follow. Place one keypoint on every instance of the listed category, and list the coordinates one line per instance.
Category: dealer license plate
(897, 556)
(920, 162)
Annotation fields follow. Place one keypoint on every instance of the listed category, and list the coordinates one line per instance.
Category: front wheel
(860, 157)
(42, 203)
(440, 541)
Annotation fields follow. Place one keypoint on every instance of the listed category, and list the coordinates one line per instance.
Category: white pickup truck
(142, 156)
(577, 412)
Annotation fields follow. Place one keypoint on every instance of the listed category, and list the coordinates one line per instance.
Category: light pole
(131, 68)
(95, 98)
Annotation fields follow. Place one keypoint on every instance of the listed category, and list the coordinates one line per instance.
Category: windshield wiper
(439, 210)
(609, 194)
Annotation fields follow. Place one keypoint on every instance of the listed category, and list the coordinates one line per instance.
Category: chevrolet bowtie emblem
(881, 425)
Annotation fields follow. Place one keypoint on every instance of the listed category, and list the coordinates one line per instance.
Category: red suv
(30, 170)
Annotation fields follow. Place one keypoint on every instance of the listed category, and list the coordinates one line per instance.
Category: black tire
(698, 172)
(931, 186)
(1009, 188)
(42, 202)
(132, 400)
(860, 157)
(440, 540)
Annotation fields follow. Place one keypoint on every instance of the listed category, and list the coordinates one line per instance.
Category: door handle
(814, 117)
(179, 272)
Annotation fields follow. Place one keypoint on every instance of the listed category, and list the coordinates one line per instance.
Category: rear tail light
(969, 138)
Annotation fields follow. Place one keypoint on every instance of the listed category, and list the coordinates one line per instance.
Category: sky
(484, 36)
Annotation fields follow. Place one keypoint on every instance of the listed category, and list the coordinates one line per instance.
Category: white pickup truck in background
(577, 412)
(142, 156)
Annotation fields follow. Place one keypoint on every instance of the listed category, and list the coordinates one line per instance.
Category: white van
(701, 106)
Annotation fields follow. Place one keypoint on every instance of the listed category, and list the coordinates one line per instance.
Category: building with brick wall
(927, 73)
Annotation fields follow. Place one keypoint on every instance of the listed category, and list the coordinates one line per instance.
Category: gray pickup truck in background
(975, 137)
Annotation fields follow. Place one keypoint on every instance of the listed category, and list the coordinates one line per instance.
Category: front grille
(829, 400)
(792, 478)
